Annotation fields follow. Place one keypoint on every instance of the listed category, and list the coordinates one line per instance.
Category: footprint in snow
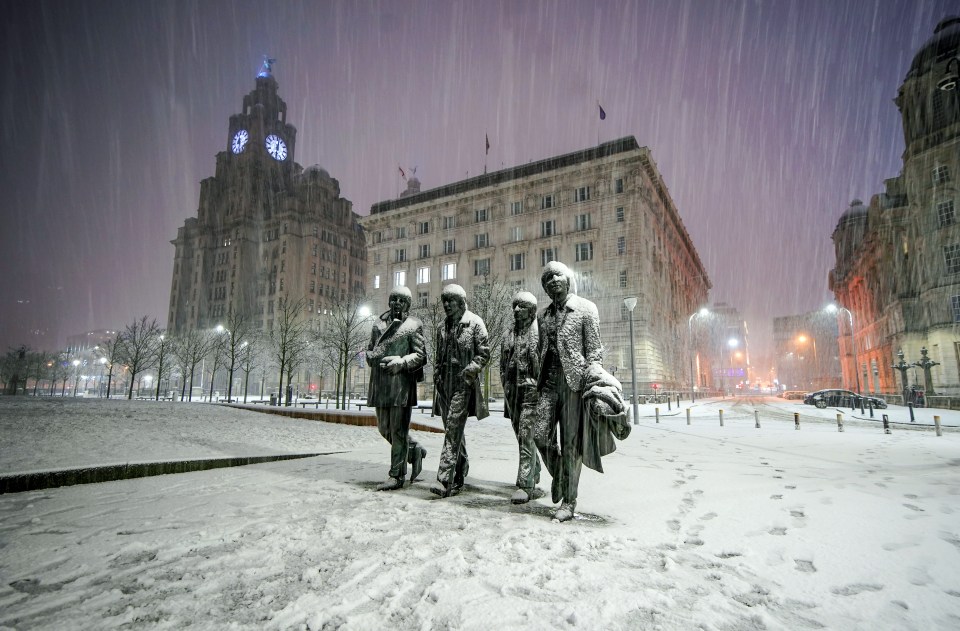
(856, 588)
(804, 566)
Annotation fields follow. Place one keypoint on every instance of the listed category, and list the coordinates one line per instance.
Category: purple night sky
(765, 119)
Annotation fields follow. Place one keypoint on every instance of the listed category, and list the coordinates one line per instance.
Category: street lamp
(732, 343)
(832, 308)
(693, 376)
(631, 304)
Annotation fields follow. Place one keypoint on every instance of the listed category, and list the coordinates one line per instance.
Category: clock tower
(268, 232)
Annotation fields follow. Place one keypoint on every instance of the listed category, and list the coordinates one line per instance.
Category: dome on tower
(854, 213)
(944, 44)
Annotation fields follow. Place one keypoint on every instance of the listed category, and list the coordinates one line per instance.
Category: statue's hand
(470, 373)
(392, 364)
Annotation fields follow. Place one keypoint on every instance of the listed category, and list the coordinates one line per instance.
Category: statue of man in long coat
(396, 355)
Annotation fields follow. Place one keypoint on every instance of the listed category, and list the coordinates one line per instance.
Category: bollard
(678, 401)
(756, 419)
(886, 424)
(669, 400)
(657, 411)
(871, 409)
(861, 405)
(912, 420)
(688, 416)
(839, 422)
(936, 424)
(796, 420)
(721, 418)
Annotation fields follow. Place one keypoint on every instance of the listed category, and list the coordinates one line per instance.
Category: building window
(516, 208)
(377, 238)
(624, 312)
(424, 250)
(423, 298)
(951, 255)
(955, 306)
(618, 185)
(548, 228)
(423, 227)
(423, 275)
(400, 278)
(401, 255)
(481, 267)
(313, 287)
(449, 246)
(584, 251)
(449, 222)
(516, 233)
(376, 258)
(518, 261)
(480, 214)
(546, 202)
(582, 222)
(623, 279)
(402, 232)
(448, 271)
(547, 255)
(581, 194)
(376, 281)
(619, 214)
(946, 214)
(621, 246)
(941, 174)
(481, 240)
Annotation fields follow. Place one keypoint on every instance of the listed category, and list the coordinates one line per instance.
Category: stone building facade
(807, 352)
(898, 258)
(266, 229)
(603, 211)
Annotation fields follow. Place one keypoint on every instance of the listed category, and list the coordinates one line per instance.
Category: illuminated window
(400, 278)
(423, 275)
(448, 271)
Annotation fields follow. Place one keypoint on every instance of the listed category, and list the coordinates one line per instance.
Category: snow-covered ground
(691, 527)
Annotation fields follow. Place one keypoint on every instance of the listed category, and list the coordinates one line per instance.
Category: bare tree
(250, 354)
(346, 331)
(14, 369)
(113, 352)
(491, 301)
(189, 349)
(38, 368)
(163, 359)
(239, 333)
(289, 338)
(140, 342)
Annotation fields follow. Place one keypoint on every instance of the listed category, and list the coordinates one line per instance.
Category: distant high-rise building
(729, 346)
(898, 259)
(266, 229)
(603, 211)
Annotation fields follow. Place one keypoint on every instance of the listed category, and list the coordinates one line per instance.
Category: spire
(265, 67)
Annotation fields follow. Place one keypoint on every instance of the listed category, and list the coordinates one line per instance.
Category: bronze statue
(519, 370)
(463, 350)
(396, 355)
(577, 396)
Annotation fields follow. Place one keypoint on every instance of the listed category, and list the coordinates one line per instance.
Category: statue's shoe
(556, 489)
(565, 512)
(391, 484)
(441, 489)
(520, 496)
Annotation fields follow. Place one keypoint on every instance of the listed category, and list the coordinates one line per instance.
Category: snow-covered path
(690, 527)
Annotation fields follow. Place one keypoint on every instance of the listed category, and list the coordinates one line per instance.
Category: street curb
(20, 482)
(343, 417)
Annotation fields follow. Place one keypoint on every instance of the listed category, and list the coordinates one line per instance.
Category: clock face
(276, 147)
(240, 141)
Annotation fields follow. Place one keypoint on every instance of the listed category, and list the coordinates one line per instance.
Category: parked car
(793, 395)
(842, 399)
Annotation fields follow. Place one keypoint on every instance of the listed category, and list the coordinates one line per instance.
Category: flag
(603, 115)
(488, 143)
(402, 174)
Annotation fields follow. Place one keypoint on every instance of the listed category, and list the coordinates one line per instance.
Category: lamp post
(926, 364)
(903, 367)
(693, 375)
(76, 375)
(631, 303)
